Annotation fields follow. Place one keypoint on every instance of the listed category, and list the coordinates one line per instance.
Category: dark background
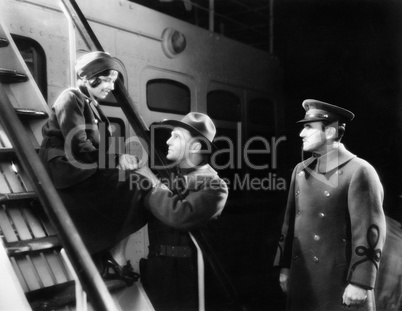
(344, 52)
(347, 53)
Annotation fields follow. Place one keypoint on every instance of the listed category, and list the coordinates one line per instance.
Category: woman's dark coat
(100, 200)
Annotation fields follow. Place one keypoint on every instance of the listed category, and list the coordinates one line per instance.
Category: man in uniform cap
(334, 227)
(169, 275)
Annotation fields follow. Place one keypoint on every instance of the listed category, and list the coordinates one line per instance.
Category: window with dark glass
(227, 143)
(261, 117)
(35, 58)
(223, 105)
(166, 95)
(261, 111)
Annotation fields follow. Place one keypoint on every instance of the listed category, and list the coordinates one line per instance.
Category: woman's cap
(93, 63)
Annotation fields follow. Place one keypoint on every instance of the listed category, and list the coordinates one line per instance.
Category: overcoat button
(339, 172)
(315, 258)
(317, 237)
(298, 213)
(327, 194)
(322, 215)
(301, 173)
(297, 192)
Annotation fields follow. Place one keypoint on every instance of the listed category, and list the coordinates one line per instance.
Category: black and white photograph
(200, 155)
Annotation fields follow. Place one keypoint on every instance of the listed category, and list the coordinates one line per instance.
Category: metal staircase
(34, 276)
(34, 225)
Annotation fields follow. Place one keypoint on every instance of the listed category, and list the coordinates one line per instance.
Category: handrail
(120, 92)
(54, 207)
(140, 128)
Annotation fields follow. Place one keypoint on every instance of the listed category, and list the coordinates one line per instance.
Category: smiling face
(105, 86)
(314, 137)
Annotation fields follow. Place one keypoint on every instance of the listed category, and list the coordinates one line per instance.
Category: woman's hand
(284, 279)
(128, 162)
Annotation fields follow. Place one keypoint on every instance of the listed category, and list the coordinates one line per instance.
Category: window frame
(39, 72)
(166, 110)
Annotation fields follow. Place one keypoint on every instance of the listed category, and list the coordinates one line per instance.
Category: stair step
(11, 76)
(39, 244)
(58, 296)
(52, 297)
(9, 154)
(28, 113)
(3, 42)
(4, 197)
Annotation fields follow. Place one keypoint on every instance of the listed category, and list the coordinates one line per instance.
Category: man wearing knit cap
(170, 273)
(334, 226)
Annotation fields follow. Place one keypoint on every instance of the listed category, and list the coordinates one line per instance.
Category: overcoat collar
(94, 105)
(204, 169)
(329, 161)
(193, 176)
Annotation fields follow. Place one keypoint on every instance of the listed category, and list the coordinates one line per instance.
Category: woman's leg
(118, 252)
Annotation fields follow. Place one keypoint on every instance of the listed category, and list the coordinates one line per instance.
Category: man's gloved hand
(354, 295)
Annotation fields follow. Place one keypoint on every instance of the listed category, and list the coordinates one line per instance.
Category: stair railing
(54, 207)
(127, 105)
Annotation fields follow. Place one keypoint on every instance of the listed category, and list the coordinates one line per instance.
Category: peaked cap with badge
(320, 111)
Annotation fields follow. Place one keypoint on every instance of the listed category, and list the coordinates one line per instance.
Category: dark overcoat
(72, 137)
(170, 280)
(103, 204)
(334, 230)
